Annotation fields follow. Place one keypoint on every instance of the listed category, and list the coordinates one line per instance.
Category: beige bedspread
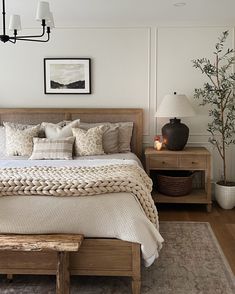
(80, 181)
(115, 215)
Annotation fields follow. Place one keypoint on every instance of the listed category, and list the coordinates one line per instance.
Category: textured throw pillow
(2, 141)
(19, 126)
(88, 142)
(19, 138)
(44, 148)
(125, 134)
(60, 130)
(110, 135)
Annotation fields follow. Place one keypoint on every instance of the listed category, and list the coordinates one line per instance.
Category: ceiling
(74, 13)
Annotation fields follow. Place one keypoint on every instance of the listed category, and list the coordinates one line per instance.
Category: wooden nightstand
(191, 158)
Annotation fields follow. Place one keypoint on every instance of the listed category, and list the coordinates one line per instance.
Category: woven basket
(175, 183)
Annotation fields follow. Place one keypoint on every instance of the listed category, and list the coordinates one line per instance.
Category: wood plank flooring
(221, 221)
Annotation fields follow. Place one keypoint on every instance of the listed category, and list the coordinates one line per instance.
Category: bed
(108, 255)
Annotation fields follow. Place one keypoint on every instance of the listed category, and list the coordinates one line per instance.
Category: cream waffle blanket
(80, 181)
(110, 215)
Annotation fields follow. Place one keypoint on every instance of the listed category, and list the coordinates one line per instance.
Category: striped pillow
(44, 148)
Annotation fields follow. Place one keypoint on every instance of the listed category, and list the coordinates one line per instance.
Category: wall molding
(149, 83)
(156, 77)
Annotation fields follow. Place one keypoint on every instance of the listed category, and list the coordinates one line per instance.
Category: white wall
(120, 69)
(131, 67)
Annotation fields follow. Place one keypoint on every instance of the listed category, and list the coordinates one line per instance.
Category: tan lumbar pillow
(125, 134)
(88, 142)
(44, 148)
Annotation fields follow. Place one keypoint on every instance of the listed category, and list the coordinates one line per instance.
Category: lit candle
(157, 143)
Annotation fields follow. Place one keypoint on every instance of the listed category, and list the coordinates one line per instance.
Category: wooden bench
(62, 244)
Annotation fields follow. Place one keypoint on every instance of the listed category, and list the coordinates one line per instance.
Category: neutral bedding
(9, 161)
(111, 215)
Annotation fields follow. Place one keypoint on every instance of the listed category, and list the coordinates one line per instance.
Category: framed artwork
(67, 75)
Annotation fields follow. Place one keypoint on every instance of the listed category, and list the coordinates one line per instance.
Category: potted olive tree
(218, 93)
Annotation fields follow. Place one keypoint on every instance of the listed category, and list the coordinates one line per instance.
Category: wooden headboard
(54, 115)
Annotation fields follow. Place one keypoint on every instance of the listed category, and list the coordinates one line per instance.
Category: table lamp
(175, 134)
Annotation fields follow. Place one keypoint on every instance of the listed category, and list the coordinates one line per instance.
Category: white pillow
(2, 141)
(55, 131)
(44, 148)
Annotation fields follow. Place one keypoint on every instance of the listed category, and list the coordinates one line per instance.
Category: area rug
(190, 262)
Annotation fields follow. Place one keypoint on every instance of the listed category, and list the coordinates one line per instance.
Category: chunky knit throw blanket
(80, 181)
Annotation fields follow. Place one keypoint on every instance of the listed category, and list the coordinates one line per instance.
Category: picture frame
(67, 75)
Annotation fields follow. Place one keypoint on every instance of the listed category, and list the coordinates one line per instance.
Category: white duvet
(114, 215)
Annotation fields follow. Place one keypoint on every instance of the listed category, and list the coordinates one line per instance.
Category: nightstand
(191, 159)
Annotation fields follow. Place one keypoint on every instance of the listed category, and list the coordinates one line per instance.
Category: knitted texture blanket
(80, 181)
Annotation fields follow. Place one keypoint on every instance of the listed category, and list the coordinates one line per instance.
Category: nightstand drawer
(163, 161)
(193, 161)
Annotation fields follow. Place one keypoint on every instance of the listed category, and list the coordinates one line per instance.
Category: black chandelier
(43, 14)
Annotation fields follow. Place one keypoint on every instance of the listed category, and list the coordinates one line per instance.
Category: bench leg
(62, 274)
(136, 285)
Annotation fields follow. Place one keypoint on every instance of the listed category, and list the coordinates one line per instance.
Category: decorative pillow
(44, 148)
(88, 142)
(125, 134)
(110, 135)
(2, 141)
(19, 138)
(61, 130)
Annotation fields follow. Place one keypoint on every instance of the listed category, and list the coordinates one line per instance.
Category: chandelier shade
(50, 21)
(15, 23)
(43, 14)
(43, 11)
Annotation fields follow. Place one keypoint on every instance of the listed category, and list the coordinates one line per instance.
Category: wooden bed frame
(97, 256)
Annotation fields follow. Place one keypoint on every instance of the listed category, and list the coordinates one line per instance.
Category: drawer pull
(163, 162)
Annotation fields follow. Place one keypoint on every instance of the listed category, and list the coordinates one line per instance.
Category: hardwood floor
(221, 221)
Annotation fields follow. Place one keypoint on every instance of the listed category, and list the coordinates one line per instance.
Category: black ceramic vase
(175, 135)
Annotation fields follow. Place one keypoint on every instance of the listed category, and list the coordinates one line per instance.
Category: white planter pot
(225, 196)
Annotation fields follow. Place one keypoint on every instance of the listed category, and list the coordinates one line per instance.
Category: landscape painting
(67, 76)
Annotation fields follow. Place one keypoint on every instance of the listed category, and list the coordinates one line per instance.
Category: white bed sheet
(114, 215)
(11, 161)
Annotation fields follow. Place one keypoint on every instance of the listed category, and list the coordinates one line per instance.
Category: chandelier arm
(12, 41)
(33, 36)
(5, 38)
(34, 40)
(3, 17)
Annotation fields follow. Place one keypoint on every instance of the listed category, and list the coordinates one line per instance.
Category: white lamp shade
(43, 11)
(15, 22)
(175, 106)
(50, 22)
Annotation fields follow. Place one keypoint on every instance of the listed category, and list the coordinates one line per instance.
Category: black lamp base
(175, 135)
